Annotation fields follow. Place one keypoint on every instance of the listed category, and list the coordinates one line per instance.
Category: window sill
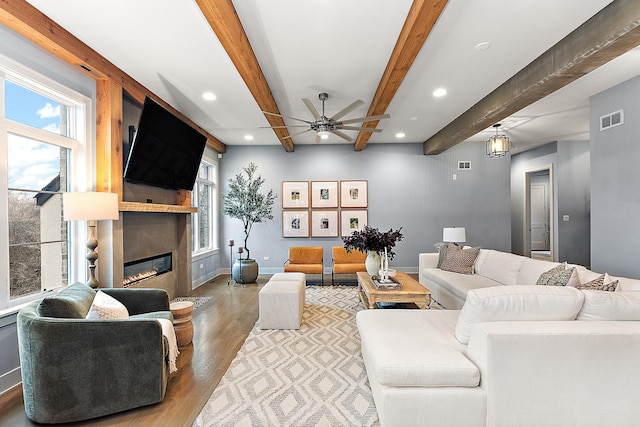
(204, 254)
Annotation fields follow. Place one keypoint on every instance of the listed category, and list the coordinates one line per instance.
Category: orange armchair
(306, 259)
(345, 262)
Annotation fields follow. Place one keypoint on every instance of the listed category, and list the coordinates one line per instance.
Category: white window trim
(213, 216)
(80, 165)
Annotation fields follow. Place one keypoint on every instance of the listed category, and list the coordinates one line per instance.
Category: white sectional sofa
(493, 268)
(512, 356)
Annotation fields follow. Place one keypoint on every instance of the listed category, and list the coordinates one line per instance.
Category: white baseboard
(10, 380)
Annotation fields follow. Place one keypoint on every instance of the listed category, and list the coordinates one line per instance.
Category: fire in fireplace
(141, 269)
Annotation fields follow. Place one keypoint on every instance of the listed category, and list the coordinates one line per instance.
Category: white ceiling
(342, 47)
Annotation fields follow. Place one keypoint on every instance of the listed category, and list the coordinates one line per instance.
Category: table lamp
(454, 235)
(90, 206)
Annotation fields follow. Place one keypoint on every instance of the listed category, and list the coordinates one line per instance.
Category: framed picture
(353, 194)
(295, 194)
(295, 223)
(324, 223)
(324, 194)
(351, 221)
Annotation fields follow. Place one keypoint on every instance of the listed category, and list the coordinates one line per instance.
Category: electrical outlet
(201, 265)
(565, 218)
(267, 258)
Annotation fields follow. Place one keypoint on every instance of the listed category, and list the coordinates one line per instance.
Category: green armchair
(75, 369)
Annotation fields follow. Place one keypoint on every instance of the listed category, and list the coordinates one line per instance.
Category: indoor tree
(245, 202)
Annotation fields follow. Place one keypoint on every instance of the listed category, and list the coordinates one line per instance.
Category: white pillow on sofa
(525, 302)
(107, 307)
(600, 305)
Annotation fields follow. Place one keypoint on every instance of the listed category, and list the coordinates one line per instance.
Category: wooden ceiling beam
(608, 34)
(421, 19)
(29, 22)
(223, 19)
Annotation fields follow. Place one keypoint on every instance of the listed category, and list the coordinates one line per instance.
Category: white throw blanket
(170, 333)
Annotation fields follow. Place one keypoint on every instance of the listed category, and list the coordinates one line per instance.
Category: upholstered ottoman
(281, 301)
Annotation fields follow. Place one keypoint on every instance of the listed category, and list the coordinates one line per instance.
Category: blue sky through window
(32, 164)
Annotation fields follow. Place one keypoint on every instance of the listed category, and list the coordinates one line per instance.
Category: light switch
(455, 176)
(565, 218)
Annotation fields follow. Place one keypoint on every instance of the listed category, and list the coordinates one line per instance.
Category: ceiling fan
(324, 126)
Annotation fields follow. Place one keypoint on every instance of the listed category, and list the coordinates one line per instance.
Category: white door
(539, 218)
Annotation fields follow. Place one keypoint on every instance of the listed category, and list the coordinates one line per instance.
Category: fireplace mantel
(155, 207)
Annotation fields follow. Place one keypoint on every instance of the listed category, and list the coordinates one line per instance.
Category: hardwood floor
(220, 327)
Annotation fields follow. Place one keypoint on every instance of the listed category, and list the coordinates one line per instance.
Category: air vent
(464, 165)
(612, 120)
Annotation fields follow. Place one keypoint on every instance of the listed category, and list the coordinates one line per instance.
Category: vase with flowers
(376, 244)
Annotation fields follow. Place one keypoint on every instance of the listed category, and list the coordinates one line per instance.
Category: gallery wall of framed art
(324, 208)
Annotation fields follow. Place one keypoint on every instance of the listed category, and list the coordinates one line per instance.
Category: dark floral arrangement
(372, 239)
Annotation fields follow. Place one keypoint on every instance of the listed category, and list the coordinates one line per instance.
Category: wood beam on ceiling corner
(610, 33)
(29, 22)
(223, 19)
(421, 19)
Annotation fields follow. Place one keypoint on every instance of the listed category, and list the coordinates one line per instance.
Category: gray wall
(615, 182)
(406, 189)
(570, 160)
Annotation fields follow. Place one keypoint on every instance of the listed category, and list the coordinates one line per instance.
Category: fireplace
(142, 269)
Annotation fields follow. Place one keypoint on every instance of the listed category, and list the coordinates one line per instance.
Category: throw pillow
(107, 307)
(598, 285)
(559, 276)
(441, 247)
(459, 260)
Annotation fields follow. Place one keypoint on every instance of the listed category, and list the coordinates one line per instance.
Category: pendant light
(498, 145)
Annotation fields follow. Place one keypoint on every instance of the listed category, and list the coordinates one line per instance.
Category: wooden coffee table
(411, 291)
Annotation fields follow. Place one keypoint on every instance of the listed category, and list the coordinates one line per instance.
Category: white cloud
(53, 127)
(32, 164)
(49, 111)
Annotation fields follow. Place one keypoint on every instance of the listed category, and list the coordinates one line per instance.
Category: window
(203, 197)
(42, 138)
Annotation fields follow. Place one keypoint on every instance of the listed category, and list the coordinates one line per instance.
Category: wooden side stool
(182, 315)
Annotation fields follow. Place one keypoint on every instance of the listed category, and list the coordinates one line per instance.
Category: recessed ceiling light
(439, 92)
(413, 118)
(482, 46)
(209, 96)
(400, 135)
(248, 137)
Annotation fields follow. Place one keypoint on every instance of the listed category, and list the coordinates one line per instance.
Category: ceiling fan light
(323, 134)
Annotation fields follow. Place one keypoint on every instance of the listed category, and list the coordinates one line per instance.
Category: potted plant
(245, 202)
(374, 242)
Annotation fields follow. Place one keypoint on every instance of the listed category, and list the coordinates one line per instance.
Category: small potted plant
(245, 202)
(374, 242)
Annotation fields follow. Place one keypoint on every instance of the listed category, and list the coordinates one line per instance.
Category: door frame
(527, 211)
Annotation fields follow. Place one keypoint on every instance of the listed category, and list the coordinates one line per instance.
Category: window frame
(79, 174)
(213, 212)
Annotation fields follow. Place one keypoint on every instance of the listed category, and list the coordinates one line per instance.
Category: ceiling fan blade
(287, 117)
(366, 119)
(283, 127)
(311, 108)
(342, 135)
(346, 110)
(295, 134)
(361, 129)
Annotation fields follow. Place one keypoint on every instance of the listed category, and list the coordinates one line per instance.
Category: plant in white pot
(373, 242)
(245, 202)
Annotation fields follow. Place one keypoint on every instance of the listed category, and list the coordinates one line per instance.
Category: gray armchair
(75, 369)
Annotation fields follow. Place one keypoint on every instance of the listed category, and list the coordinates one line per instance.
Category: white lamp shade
(454, 234)
(90, 206)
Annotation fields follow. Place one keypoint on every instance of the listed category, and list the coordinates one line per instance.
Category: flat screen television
(166, 152)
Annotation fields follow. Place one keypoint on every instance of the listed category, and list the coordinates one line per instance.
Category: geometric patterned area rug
(197, 301)
(313, 376)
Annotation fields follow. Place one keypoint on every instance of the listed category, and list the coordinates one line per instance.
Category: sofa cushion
(457, 284)
(502, 267)
(600, 305)
(414, 348)
(73, 302)
(532, 269)
(500, 303)
(459, 260)
(626, 285)
(559, 276)
(107, 307)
